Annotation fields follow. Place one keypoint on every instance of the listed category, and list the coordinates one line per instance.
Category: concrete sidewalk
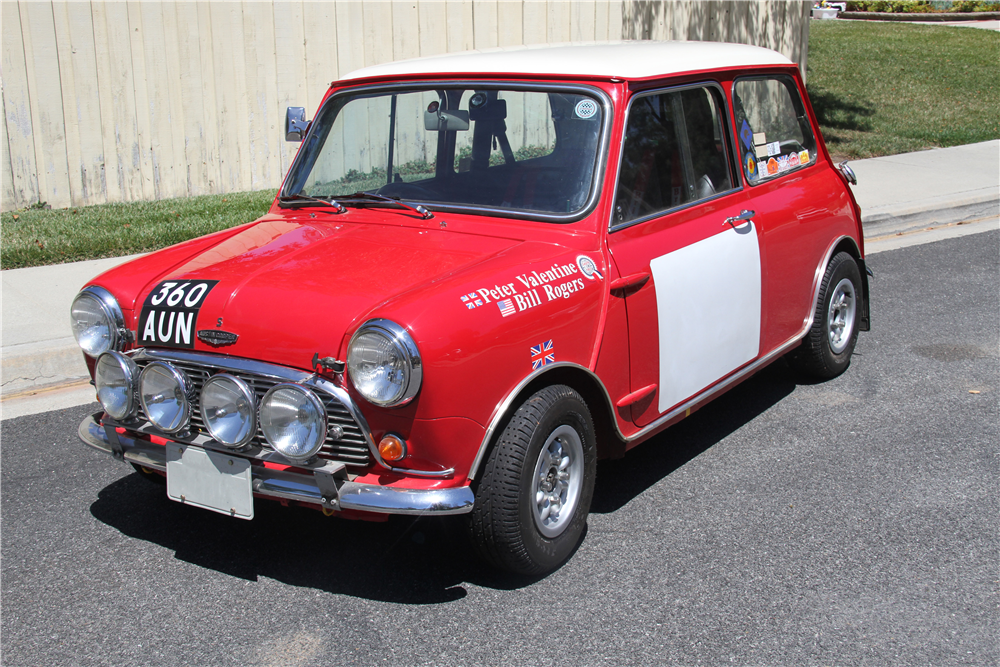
(897, 194)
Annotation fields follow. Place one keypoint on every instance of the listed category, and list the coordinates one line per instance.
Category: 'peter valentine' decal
(170, 313)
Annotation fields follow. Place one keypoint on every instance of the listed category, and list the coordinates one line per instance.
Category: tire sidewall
(843, 267)
(546, 552)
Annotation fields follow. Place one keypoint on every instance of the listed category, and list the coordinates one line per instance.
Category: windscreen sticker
(170, 313)
(542, 354)
(533, 288)
(772, 167)
(586, 109)
(751, 168)
(774, 148)
(804, 157)
(793, 160)
(783, 164)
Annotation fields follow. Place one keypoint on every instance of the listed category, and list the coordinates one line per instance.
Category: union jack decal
(471, 300)
(542, 354)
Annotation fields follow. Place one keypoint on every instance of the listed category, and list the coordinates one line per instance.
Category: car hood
(289, 289)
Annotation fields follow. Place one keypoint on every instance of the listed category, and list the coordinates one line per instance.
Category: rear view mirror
(296, 124)
(446, 121)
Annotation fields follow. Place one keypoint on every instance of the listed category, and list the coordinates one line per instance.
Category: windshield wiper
(367, 197)
(299, 200)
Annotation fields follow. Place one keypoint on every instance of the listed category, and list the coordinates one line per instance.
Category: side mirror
(296, 124)
(446, 121)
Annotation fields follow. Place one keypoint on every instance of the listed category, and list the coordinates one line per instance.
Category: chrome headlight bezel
(184, 403)
(110, 312)
(313, 401)
(130, 376)
(244, 391)
(400, 340)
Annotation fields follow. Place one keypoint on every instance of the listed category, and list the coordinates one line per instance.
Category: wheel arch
(850, 246)
(579, 378)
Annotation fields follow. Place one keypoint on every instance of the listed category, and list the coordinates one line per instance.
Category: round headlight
(164, 392)
(384, 364)
(293, 420)
(115, 378)
(227, 407)
(97, 321)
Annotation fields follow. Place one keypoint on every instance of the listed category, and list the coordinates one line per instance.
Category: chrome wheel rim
(557, 481)
(840, 316)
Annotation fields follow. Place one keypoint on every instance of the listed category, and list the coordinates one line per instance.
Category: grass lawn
(887, 88)
(877, 88)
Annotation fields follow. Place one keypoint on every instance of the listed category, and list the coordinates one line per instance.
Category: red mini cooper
(484, 272)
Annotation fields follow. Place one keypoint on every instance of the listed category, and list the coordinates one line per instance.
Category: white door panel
(708, 300)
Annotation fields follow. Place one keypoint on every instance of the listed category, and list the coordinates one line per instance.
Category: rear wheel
(826, 350)
(534, 495)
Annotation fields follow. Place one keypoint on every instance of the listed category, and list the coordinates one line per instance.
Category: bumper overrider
(326, 483)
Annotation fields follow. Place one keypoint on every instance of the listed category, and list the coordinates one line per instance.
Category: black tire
(826, 350)
(151, 475)
(513, 528)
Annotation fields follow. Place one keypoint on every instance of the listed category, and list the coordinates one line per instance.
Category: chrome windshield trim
(318, 488)
(601, 155)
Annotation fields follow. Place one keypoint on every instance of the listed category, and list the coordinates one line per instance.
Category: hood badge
(217, 337)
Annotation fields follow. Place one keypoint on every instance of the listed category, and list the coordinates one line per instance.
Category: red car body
(502, 307)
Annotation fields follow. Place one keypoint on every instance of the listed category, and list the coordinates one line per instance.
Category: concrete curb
(914, 18)
(975, 205)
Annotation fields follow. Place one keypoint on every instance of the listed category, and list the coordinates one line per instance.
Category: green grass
(886, 88)
(35, 236)
(877, 88)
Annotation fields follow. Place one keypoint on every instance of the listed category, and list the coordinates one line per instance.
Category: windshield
(533, 151)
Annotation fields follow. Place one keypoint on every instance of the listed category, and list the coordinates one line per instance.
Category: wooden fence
(115, 101)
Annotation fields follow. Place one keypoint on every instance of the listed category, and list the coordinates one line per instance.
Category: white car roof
(625, 60)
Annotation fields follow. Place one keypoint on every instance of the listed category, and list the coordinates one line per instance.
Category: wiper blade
(299, 200)
(367, 197)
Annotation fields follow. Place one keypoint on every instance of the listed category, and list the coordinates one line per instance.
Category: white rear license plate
(210, 480)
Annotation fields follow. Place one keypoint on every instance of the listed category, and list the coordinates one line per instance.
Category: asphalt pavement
(43, 369)
(849, 522)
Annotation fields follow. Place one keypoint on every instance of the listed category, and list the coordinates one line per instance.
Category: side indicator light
(392, 448)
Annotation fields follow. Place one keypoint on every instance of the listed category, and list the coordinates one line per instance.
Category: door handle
(629, 284)
(735, 220)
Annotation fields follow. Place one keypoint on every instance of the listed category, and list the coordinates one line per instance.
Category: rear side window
(774, 132)
(674, 153)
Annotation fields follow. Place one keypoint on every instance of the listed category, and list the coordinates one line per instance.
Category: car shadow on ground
(407, 560)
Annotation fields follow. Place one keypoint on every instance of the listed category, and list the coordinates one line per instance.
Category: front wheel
(826, 350)
(534, 495)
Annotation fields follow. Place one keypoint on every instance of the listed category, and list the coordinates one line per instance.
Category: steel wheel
(557, 481)
(840, 315)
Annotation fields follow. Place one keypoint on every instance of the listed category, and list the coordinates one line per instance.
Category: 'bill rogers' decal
(170, 312)
(542, 354)
(533, 288)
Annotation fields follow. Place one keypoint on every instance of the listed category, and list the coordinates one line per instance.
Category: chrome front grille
(351, 448)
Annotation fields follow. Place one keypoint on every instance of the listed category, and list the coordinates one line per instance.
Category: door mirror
(296, 124)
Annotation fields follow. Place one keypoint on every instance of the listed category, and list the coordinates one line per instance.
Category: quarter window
(674, 153)
(774, 132)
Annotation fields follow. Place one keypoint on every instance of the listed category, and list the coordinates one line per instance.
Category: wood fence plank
(141, 91)
(261, 67)
(19, 139)
(583, 20)
(192, 99)
(485, 28)
(510, 19)
(45, 94)
(290, 59)
(534, 23)
(557, 26)
(433, 40)
(231, 95)
(461, 34)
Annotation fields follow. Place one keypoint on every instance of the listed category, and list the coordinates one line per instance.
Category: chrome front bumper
(327, 486)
